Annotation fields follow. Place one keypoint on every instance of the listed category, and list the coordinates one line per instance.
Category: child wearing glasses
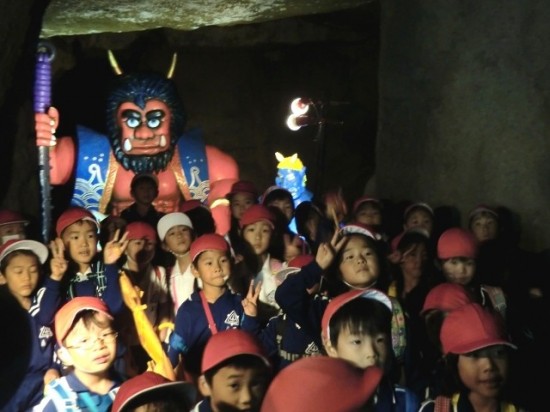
(87, 344)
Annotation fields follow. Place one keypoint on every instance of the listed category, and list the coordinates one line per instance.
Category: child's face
(361, 349)
(285, 206)
(145, 192)
(21, 275)
(240, 202)
(419, 218)
(484, 371)
(80, 241)
(484, 227)
(178, 239)
(141, 251)
(213, 267)
(91, 348)
(369, 214)
(11, 231)
(238, 389)
(413, 261)
(258, 235)
(459, 270)
(359, 265)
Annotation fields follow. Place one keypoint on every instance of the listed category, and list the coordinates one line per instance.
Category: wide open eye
(132, 122)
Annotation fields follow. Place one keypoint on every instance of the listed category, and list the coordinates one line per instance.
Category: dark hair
(19, 252)
(363, 316)
(239, 362)
(202, 220)
(89, 317)
(334, 285)
(140, 179)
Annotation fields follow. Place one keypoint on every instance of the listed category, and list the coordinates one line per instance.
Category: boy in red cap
(150, 391)
(214, 308)
(235, 373)
(323, 384)
(477, 351)
(457, 251)
(12, 226)
(87, 344)
(151, 280)
(31, 309)
(87, 273)
(357, 327)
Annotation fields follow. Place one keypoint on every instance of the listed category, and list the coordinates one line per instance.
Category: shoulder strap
(442, 404)
(208, 313)
(62, 395)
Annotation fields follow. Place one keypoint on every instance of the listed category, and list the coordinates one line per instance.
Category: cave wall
(464, 107)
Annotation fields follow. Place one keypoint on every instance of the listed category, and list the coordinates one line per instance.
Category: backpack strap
(442, 404)
(63, 397)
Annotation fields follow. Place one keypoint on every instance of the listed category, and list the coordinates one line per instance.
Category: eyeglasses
(87, 344)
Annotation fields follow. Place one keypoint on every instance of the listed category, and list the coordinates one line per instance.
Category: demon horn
(172, 66)
(114, 63)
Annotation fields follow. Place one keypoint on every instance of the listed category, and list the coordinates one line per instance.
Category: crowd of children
(311, 308)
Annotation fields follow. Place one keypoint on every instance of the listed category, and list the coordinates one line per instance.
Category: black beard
(142, 163)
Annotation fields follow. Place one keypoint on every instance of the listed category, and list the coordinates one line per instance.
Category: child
(243, 194)
(176, 233)
(483, 223)
(87, 344)
(153, 392)
(281, 199)
(323, 384)
(12, 226)
(356, 326)
(87, 274)
(144, 190)
(419, 215)
(457, 251)
(151, 280)
(20, 276)
(257, 225)
(235, 373)
(477, 353)
(200, 215)
(212, 309)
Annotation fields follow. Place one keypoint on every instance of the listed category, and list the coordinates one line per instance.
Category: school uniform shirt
(192, 330)
(101, 281)
(394, 398)
(40, 318)
(459, 402)
(69, 394)
(181, 284)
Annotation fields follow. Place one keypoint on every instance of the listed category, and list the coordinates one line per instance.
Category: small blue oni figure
(291, 175)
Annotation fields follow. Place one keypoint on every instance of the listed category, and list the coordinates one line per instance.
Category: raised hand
(327, 251)
(250, 302)
(58, 263)
(45, 125)
(114, 249)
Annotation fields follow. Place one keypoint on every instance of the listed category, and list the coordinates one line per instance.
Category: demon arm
(62, 150)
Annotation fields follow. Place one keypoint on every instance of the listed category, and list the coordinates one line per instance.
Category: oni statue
(291, 175)
(146, 133)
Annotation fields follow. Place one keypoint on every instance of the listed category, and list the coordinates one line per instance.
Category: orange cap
(65, 316)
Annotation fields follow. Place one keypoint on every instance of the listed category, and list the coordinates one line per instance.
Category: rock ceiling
(77, 17)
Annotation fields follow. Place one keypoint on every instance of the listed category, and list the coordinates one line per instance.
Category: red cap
(140, 230)
(9, 216)
(256, 213)
(358, 229)
(418, 205)
(243, 186)
(396, 240)
(364, 199)
(446, 297)
(340, 300)
(482, 209)
(323, 384)
(73, 215)
(190, 205)
(64, 318)
(456, 242)
(150, 386)
(210, 241)
(470, 328)
(272, 189)
(38, 248)
(230, 343)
